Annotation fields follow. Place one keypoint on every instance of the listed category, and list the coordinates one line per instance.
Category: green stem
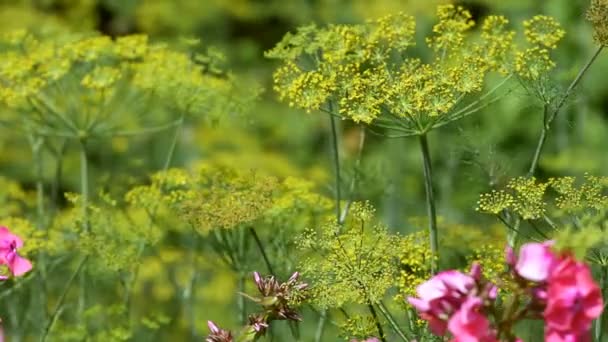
(387, 314)
(371, 309)
(336, 155)
(173, 145)
(321, 326)
(548, 120)
(242, 314)
(355, 180)
(61, 300)
(84, 184)
(168, 159)
(541, 143)
(430, 201)
(260, 245)
(84, 193)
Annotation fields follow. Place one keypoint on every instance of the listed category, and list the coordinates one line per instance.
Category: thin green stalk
(336, 155)
(143, 131)
(84, 183)
(354, 182)
(168, 159)
(240, 300)
(321, 325)
(551, 116)
(242, 260)
(173, 145)
(262, 250)
(541, 142)
(61, 300)
(36, 145)
(190, 293)
(391, 320)
(84, 193)
(371, 309)
(430, 201)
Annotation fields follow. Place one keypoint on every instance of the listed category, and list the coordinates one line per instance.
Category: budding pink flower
(468, 324)
(9, 243)
(574, 300)
(218, 334)
(440, 297)
(371, 339)
(535, 261)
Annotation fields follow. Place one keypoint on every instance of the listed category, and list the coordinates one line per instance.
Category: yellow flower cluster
(352, 70)
(350, 264)
(114, 234)
(525, 198)
(449, 35)
(528, 198)
(498, 43)
(359, 326)
(217, 196)
(542, 33)
(597, 14)
(345, 64)
(415, 260)
(589, 194)
(71, 79)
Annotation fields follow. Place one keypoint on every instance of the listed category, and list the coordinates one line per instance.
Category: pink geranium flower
(440, 296)
(9, 244)
(535, 261)
(468, 324)
(574, 300)
(556, 336)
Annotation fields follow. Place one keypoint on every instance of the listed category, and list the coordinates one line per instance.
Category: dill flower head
(543, 31)
(363, 72)
(525, 196)
(109, 80)
(448, 33)
(530, 199)
(415, 260)
(354, 263)
(597, 14)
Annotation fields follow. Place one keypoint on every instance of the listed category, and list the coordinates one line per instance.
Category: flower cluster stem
(550, 117)
(61, 300)
(391, 320)
(430, 200)
(371, 309)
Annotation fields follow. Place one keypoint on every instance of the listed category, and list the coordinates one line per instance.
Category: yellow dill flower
(533, 63)
(497, 43)
(394, 31)
(543, 31)
(101, 78)
(597, 14)
(415, 260)
(353, 263)
(529, 194)
(131, 46)
(495, 202)
(449, 31)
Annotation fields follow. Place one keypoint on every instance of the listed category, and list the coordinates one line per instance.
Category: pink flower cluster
(17, 265)
(559, 289)
(9, 244)
(565, 287)
(453, 301)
